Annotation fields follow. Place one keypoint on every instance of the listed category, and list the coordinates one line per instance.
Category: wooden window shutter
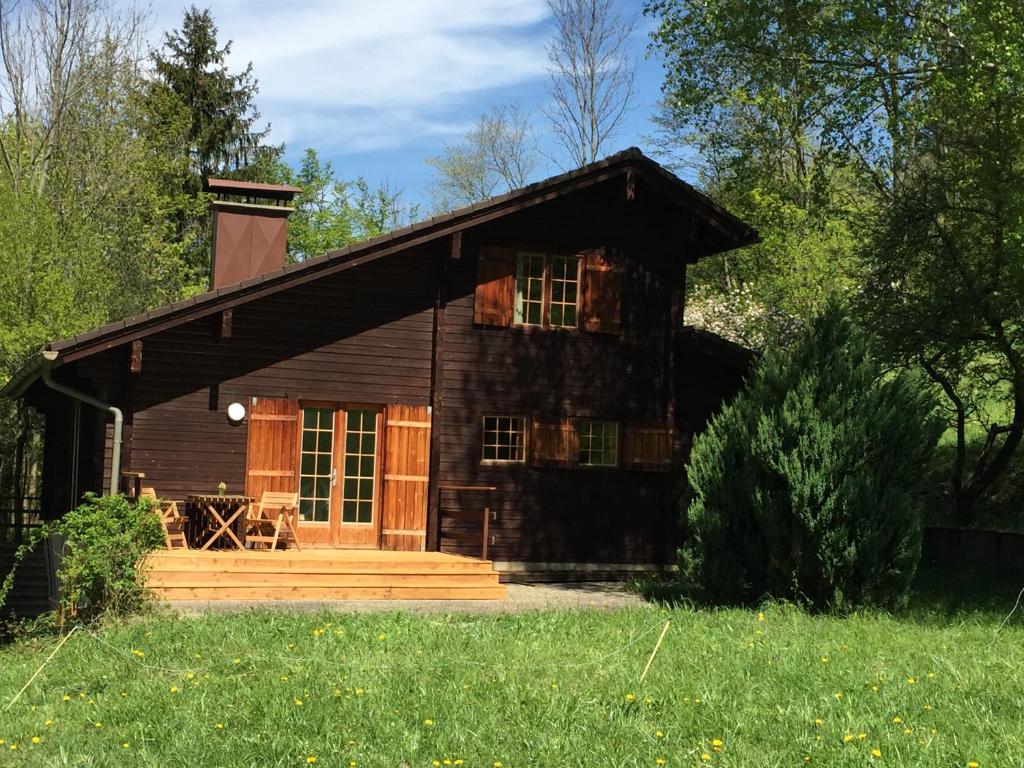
(272, 452)
(647, 447)
(495, 286)
(406, 478)
(603, 272)
(554, 444)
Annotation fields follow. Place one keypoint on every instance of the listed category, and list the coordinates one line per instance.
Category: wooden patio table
(219, 513)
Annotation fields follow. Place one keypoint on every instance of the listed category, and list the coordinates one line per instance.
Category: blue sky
(377, 86)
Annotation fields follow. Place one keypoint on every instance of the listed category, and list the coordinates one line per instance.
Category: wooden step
(212, 580)
(300, 567)
(331, 593)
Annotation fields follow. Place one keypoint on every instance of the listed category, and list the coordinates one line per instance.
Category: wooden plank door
(406, 468)
(272, 447)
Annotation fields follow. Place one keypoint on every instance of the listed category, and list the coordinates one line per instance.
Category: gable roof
(734, 234)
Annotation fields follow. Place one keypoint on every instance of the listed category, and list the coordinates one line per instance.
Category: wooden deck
(320, 574)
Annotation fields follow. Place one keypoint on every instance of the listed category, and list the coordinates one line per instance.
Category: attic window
(547, 290)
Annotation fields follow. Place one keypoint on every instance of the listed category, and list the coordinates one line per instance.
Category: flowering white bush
(736, 315)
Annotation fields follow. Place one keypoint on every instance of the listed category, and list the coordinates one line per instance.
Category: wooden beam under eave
(631, 184)
(226, 319)
(456, 245)
(135, 364)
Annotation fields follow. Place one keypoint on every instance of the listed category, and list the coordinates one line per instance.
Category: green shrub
(105, 539)
(808, 486)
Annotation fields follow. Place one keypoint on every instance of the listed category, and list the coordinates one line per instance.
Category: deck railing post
(487, 531)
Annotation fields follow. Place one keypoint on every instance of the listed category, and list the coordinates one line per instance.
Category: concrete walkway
(604, 596)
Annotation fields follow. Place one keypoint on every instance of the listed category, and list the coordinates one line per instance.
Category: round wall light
(236, 412)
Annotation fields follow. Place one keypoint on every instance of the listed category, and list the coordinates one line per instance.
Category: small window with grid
(599, 443)
(547, 290)
(315, 464)
(504, 438)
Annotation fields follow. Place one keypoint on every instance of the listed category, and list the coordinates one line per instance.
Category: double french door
(361, 471)
(340, 475)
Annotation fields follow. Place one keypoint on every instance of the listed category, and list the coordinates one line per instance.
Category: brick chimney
(250, 229)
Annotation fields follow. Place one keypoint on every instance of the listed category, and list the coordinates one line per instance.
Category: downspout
(49, 357)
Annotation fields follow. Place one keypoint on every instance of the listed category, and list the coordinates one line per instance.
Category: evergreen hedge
(808, 486)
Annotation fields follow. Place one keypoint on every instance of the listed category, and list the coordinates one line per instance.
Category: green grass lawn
(728, 688)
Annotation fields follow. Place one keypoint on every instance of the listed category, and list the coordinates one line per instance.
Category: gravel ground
(604, 596)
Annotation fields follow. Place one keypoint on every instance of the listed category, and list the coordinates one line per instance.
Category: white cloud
(356, 75)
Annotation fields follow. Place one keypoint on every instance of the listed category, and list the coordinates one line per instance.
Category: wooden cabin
(523, 356)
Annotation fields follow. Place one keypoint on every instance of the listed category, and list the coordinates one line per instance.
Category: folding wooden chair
(273, 519)
(172, 521)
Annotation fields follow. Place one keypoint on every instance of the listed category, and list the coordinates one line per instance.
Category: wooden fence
(958, 550)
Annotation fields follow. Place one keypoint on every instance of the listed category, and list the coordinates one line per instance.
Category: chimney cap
(251, 189)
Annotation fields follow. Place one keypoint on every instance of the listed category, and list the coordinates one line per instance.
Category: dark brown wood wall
(361, 336)
(553, 514)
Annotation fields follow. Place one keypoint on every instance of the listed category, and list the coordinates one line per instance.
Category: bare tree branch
(591, 75)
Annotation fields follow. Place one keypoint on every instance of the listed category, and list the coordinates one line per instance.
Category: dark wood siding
(361, 336)
(553, 514)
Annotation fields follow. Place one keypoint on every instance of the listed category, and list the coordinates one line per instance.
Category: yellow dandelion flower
(876, 752)
(659, 761)
(630, 697)
(659, 735)
(359, 691)
(807, 758)
(847, 738)
(97, 725)
(705, 756)
(897, 720)
(352, 764)
(459, 761)
(931, 675)
(927, 707)
(298, 702)
(447, 761)
(382, 637)
(862, 736)
(189, 675)
(435, 763)
(137, 652)
(48, 723)
(498, 764)
(760, 615)
(124, 745)
(219, 726)
(174, 689)
(818, 721)
(696, 700)
(81, 694)
(36, 740)
(824, 659)
(13, 747)
(911, 680)
(907, 731)
(973, 764)
(236, 660)
(66, 697)
(716, 745)
(284, 678)
(311, 759)
(429, 723)
(2, 742)
(874, 689)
